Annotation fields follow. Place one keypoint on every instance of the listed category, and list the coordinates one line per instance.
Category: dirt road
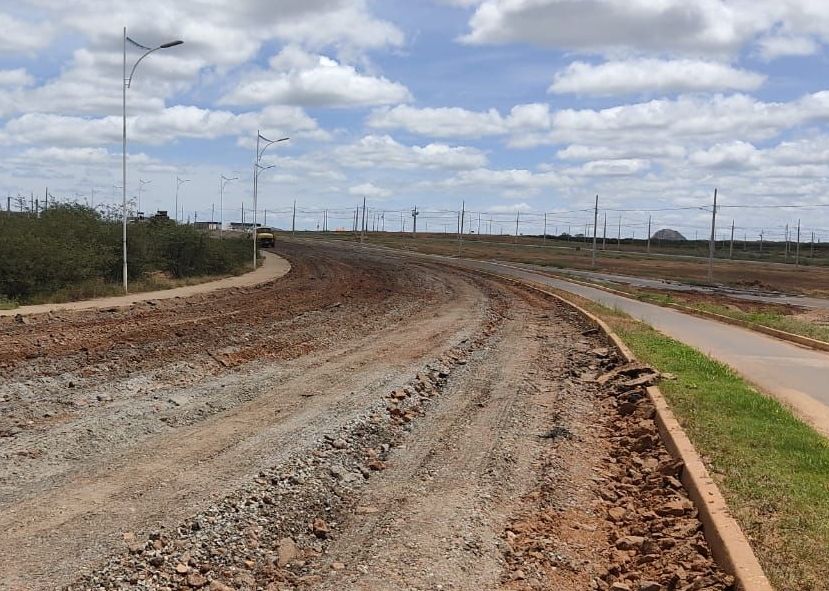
(362, 422)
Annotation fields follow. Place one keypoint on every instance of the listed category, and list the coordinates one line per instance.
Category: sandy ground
(273, 267)
(365, 422)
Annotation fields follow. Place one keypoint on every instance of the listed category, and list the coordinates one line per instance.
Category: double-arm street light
(257, 168)
(127, 81)
(179, 183)
(141, 183)
(223, 180)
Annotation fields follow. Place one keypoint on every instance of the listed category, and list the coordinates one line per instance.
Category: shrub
(69, 245)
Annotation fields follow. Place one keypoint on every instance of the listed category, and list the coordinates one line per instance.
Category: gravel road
(361, 423)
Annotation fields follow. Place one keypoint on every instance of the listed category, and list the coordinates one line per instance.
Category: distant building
(206, 225)
(243, 226)
(668, 234)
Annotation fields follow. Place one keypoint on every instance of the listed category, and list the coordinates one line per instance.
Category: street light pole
(223, 180)
(257, 168)
(141, 183)
(179, 182)
(127, 81)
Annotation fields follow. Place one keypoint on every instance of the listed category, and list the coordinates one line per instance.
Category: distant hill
(667, 234)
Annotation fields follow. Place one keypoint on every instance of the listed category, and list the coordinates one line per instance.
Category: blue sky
(510, 106)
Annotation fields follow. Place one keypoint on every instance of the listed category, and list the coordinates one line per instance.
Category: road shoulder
(273, 267)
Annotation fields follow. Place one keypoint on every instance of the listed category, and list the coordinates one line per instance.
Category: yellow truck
(264, 237)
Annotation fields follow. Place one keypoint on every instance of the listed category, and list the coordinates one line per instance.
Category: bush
(70, 245)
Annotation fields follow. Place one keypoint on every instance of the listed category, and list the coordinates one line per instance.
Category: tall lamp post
(257, 168)
(141, 183)
(223, 180)
(179, 183)
(127, 81)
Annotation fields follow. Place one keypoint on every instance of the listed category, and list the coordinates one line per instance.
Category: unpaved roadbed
(389, 426)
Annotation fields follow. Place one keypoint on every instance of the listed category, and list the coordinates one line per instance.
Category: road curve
(795, 375)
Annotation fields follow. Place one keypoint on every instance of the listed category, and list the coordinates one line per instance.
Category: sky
(505, 107)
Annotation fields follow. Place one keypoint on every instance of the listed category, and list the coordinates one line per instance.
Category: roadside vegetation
(764, 317)
(72, 252)
(772, 468)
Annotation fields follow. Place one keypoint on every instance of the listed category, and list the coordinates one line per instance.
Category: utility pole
(786, 248)
(619, 235)
(761, 241)
(517, 216)
(595, 226)
(812, 244)
(212, 212)
(711, 245)
(604, 233)
(479, 224)
(460, 227)
(649, 234)
(363, 228)
(731, 246)
(544, 237)
(356, 215)
(415, 213)
(293, 220)
(797, 250)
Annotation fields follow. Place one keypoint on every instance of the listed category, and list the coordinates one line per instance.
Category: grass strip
(772, 469)
(769, 319)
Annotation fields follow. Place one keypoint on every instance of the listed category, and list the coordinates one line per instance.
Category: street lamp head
(170, 44)
(284, 139)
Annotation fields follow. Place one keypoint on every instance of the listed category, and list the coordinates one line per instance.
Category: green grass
(767, 318)
(772, 468)
(772, 320)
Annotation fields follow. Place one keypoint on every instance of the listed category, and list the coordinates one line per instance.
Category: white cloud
(22, 36)
(455, 122)
(174, 122)
(369, 190)
(688, 119)
(617, 151)
(15, 78)
(705, 27)
(509, 182)
(299, 78)
(653, 76)
(781, 46)
(669, 25)
(442, 122)
(515, 207)
(615, 167)
(384, 152)
(736, 154)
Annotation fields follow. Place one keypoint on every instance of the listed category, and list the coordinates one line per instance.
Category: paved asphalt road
(795, 375)
(744, 294)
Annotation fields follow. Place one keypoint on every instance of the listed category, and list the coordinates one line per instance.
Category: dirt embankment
(363, 423)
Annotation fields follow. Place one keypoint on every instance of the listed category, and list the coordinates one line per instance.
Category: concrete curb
(729, 545)
(772, 332)
(273, 267)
